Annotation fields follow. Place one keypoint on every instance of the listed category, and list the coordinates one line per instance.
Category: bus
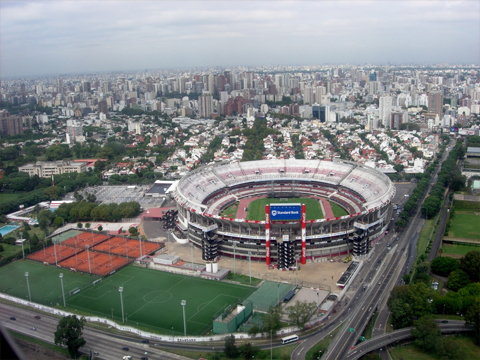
(290, 339)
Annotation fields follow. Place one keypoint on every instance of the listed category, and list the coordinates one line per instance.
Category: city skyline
(52, 37)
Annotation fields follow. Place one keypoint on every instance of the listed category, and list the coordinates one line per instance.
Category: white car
(127, 357)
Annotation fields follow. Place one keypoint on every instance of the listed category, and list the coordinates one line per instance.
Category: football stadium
(278, 211)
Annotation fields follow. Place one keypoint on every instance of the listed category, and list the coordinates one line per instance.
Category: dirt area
(317, 275)
(34, 351)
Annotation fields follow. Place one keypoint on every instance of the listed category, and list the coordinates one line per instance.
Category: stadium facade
(365, 193)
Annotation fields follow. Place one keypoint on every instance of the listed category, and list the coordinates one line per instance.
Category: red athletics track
(241, 213)
(327, 209)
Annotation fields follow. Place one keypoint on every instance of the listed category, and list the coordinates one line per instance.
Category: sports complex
(279, 210)
(274, 212)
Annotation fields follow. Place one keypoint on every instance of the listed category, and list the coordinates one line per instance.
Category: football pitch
(256, 209)
(465, 226)
(151, 298)
(44, 282)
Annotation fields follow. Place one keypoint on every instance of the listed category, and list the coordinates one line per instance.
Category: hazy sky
(58, 37)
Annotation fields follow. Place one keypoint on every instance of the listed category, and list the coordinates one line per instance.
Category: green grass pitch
(465, 226)
(44, 282)
(256, 209)
(151, 300)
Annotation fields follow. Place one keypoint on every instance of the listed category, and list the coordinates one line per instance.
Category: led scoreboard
(279, 212)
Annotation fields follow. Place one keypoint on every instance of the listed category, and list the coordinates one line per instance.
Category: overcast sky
(60, 37)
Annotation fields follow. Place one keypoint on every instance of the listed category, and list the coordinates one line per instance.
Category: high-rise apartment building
(102, 107)
(10, 124)
(435, 103)
(205, 104)
(385, 109)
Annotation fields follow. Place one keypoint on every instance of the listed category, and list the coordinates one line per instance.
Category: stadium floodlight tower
(183, 303)
(120, 290)
(63, 293)
(28, 286)
(250, 265)
(88, 257)
(23, 251)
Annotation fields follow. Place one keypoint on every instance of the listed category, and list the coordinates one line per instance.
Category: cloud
(53, 35)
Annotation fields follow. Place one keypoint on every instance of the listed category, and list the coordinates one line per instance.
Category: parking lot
(122, 193)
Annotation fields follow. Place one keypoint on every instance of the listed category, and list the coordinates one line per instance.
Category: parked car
(37, 317)
(125, 348)
(12, 318)
(145, 341)
(33, 328)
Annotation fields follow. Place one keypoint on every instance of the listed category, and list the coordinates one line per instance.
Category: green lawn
(411, 352)
(256, 209)
(280, 353)
(320, 347)
(465, 226)
(9, 250)
(230, 211)
(152, 298)
(44, 281)
(458, 249)
(242, 279)
(337, 210)
(7, 197)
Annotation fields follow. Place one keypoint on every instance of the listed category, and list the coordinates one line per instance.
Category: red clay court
(82, 240)
(100, 264)
(106, 253)
(123, 246)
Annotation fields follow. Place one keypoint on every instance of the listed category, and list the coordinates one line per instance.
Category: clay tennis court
(82, 240)
(127, 247)
(95, 262)
(48, 255)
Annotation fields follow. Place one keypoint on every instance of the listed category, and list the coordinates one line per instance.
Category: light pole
(23, 251)
(234, 257)
(191, 250)
(88, 257)
(120, 290)
(63, 293)
(250, 265)
(173, 335)
(271, 344)
(168, 241)
(296, 269)
(183, 303)
(55, 251)
(28, 286)
(140, 240)
(426, 212)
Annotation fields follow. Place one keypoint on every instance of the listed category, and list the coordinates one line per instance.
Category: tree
(133, 231)
(26, 226)
(426, 333)
(300, 312)
(87, 225)
(444, 265)
(79, 225)
(472, 317)
(248, 351)
(231, 349)
(1, 248)
(254, 330)
(100, 228)
(69, 333)
(457, 280)
(448, 349)
(470, 263)
(272, 320)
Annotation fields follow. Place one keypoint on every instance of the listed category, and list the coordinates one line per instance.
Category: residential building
(49, 168)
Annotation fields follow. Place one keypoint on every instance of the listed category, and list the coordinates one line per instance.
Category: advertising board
(285, 212)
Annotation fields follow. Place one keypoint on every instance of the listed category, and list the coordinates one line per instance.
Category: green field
(230, 211)
(7, 197)
(256, 209)
(152, 298)
(458, 249)
(470, 351)
(44, 281)
(465, 226)
(337, 209)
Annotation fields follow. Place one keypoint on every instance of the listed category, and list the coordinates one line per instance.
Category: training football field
(256, 209)
(152, 300)
(44, 282)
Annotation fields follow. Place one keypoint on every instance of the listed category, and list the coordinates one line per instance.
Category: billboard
(285, 212)
(454, 129)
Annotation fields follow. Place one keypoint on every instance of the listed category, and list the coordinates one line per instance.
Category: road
(349, 334)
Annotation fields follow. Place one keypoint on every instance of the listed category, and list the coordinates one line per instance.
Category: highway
(349, 334)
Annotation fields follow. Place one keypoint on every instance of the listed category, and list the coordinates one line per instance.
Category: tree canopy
(69, 334)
